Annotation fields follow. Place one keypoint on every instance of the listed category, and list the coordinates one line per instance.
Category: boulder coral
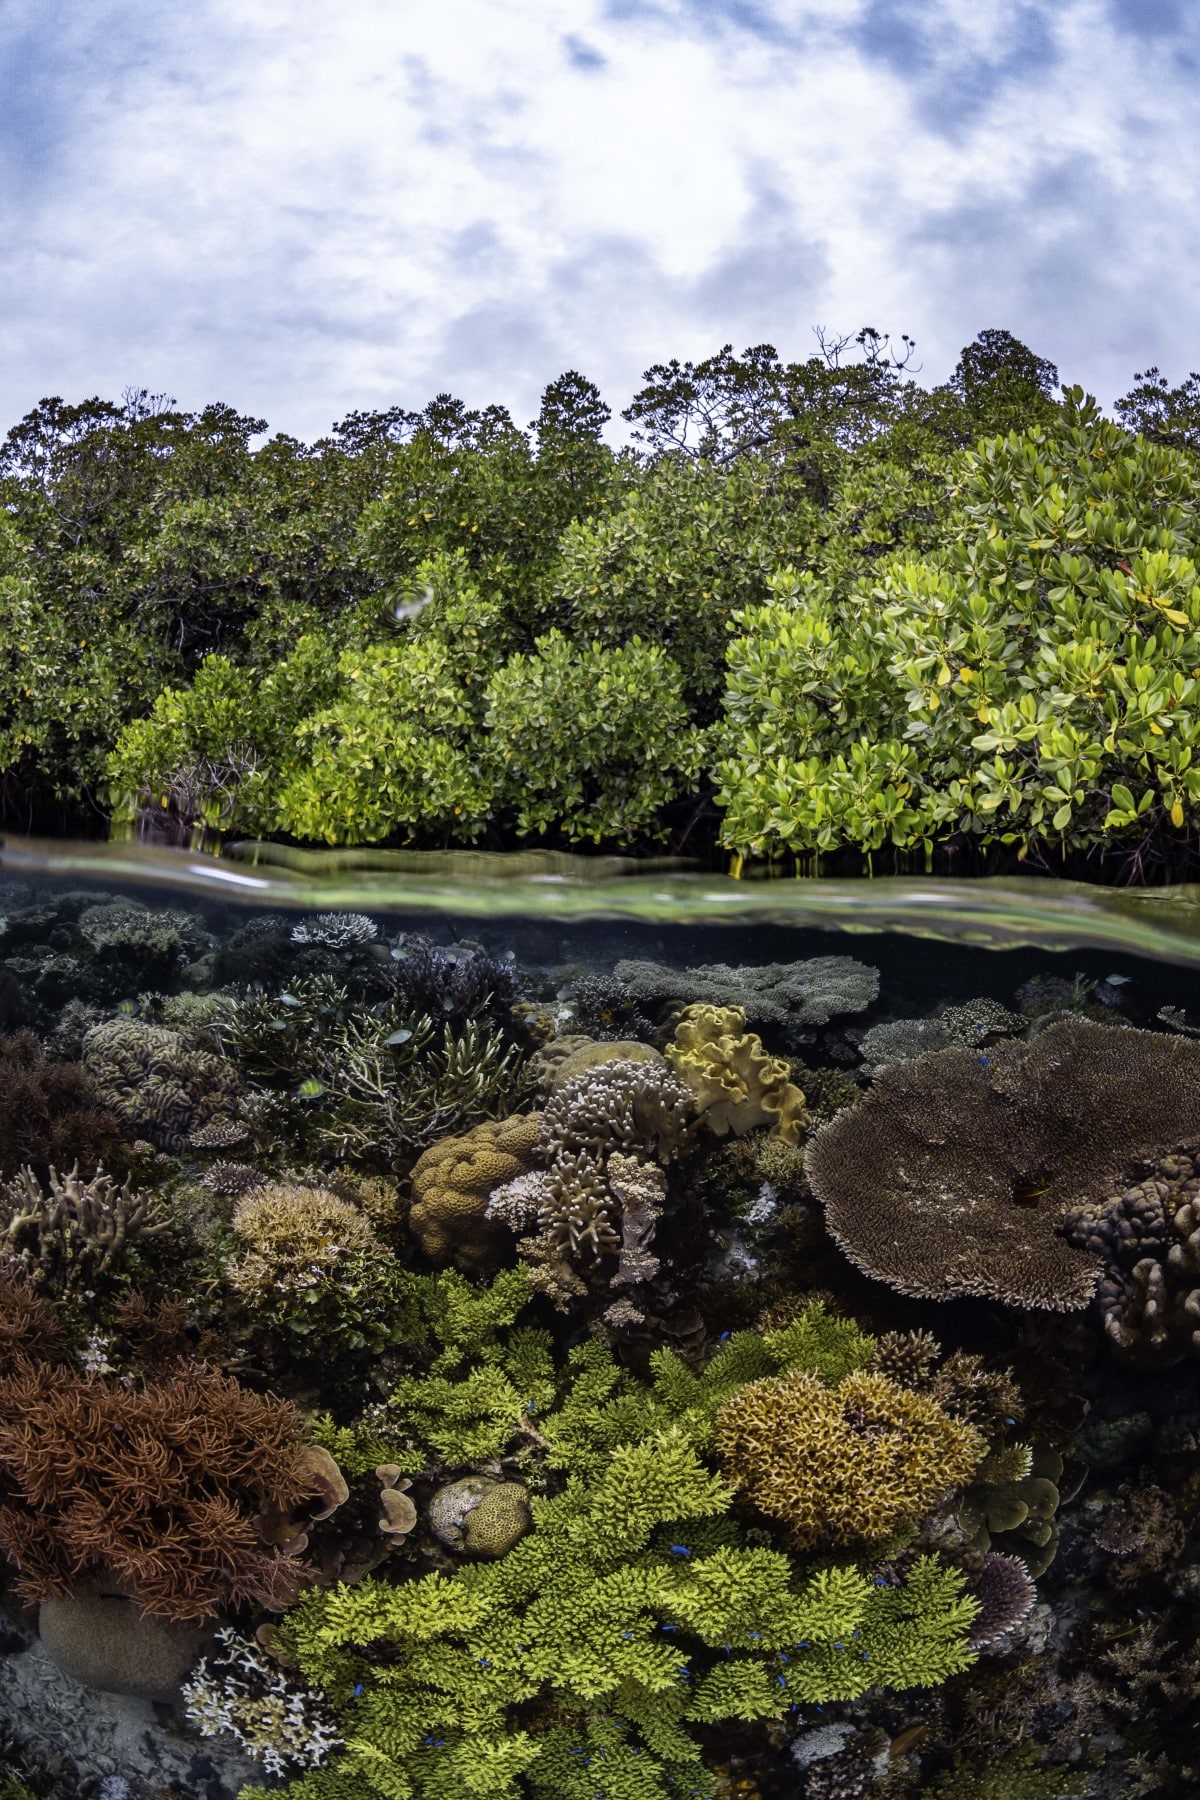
(736, 1084)
(958, 1171)
(157, 1083)
(845, 1465)
(452, 1182)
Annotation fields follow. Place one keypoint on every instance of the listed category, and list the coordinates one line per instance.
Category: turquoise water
(925, 1107)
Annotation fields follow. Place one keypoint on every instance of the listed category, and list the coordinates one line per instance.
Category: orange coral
(842, 1465)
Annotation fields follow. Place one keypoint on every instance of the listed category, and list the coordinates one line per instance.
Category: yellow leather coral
(734, 1080)
(844, 1465)
(451, 1184)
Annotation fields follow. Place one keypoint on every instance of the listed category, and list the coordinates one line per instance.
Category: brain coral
(956, 1172)
(842, 1465)
(155, 1081)
(736, 1084)
(451, 1185)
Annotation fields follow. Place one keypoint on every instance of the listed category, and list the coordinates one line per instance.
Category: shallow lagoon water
(1094, 1688)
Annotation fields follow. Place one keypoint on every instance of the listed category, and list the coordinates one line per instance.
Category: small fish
(310, 1088)
(397, 1037)
(1117, 980)
(288, 1000)
(127, 1007)
(279, 1024)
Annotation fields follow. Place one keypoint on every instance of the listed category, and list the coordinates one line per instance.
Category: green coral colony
(586, 1367)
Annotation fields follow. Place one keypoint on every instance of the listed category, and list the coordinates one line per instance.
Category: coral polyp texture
(845, 1465)
(451, 1185)
(958, 1171)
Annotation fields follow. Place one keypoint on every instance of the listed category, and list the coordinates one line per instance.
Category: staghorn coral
(452, 1182)
(71, 1237)
(50, 1112)
(844, 1465)
(274, 1717)
(954, 1174)
(159, 1486)
(638, 1107)
(736, 1084)
(1148, 1238)
(156, 1082)
(789, 997)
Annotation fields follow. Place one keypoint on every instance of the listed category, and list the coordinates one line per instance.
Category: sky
(302, 209)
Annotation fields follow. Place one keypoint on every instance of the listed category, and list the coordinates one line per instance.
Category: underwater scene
(539, 1352)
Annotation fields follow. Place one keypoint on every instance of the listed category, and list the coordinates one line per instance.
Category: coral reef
(1014, 1499)
(954, 1175)
(451, 1185)
(638, 1107)
(788, 997)
(844, 1465)
(480, 1517)
(282, 1724)
(336, 931)
(735, 1083)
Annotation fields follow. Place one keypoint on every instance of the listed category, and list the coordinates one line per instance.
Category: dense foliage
(816, 606)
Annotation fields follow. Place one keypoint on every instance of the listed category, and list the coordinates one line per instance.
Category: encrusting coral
(70, 1237)
(736, 1084)
(955, 1174)
(451, 1185)
(845, 1465)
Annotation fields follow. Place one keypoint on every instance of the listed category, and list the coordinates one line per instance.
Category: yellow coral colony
(736, 1083)
(845, 1465)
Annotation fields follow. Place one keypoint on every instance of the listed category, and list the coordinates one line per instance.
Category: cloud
(304, 209)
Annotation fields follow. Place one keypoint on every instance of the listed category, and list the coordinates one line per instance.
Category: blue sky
(302, 208)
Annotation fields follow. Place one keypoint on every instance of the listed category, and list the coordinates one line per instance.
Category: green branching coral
(619, 1620)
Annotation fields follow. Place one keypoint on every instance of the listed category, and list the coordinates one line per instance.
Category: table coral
(790, 997)
(736, 1084)
(957, 1171)
(842, 1465)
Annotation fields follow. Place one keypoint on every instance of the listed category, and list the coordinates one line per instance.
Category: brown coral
(955, 1173)
(290, 1234)
(161, 1486)
(736, 1084)
(620, 1104)
(451, 1184)
(50, 1112)
(844, 1465)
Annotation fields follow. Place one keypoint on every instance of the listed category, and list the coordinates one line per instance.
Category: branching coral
(161, 1486)
(736, 1084)
(156, 1082)
(790, 997)
(68, 1239)
(843, 1465)
(239, 1690)
(639, 1107)
(955, 1173)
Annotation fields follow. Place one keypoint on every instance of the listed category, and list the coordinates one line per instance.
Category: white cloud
(330, 208)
